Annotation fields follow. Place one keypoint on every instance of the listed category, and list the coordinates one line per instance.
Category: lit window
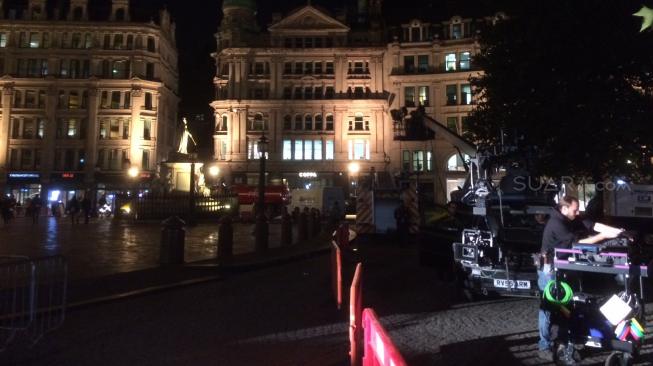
(455, 163)
(423, 95)
(359, 149)
(298, 150)
(329, 150)
(450, 62)
(465, 60)
(465, 94)
(418, 161)
(3, 40)
(317, 149)
(308, 150)
(34, 41)
(287, 149)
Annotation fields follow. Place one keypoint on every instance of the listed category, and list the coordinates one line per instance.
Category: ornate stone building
(84, 99)
(322, 90)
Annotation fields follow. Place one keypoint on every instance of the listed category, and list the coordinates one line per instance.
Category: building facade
(83, 100)
(324, 91)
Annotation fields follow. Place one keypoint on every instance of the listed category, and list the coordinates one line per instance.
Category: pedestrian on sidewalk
(402, 220)
(34, 208)
(73, 209)
(86, 208)
(5, 210)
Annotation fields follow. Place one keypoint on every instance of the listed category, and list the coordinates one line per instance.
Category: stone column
(340, 135)
(340, 72)
(231, 86)
(378, 74)
(243, 78)
(49, 140)
(7, 93)
(242, 125)
(136, 126)
(91, 137)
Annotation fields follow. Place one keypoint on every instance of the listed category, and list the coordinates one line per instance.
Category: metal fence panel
(32, 297)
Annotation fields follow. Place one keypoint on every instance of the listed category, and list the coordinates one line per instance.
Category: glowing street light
(354, 168)
(133, 172)
(214, 171)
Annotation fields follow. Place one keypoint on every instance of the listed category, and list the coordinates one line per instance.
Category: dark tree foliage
(569, 85)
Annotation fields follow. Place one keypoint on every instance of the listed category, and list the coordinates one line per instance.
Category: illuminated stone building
(84, 99)
(321, 88)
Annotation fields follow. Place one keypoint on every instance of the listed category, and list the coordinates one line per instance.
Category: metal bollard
(311, 224)
(286, 230)
(302, 228)
(225, 238)
(173, 235)
(317, 223)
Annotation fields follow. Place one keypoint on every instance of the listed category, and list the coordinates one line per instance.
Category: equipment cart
(610, 322)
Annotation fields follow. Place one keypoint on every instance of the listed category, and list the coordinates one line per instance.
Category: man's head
(568, 207)
(452, 207)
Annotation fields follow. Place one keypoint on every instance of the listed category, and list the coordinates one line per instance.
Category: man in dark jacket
(561, 231)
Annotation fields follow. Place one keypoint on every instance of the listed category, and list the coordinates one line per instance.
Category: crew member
(560, 232)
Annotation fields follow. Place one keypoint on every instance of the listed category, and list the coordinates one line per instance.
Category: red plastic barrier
(336, 274)
(379, 349)
(356, 316)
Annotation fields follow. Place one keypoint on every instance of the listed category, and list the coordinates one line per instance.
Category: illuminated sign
(307, 174)
(24, 175)
(68, 175)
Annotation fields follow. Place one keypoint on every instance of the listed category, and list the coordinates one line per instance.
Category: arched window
(318, 122)
(287, 122)
(329, 122)
(308, 122)
(258, 124)
(298, 122)
(455, 164)
(224, 123)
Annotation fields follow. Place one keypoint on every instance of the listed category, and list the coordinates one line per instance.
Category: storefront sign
(307, 174)
(68, 175)
(24, 175)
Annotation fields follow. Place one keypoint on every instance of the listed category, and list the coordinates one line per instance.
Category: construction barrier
(365, 212)
(409, 197)
(336, 273)
(378, 348)
(32, 297)
(356, 316)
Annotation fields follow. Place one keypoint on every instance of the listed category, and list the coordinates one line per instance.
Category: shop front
(23, 185)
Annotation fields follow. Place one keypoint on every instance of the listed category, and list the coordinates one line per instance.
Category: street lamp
(214, 171)
(261, 229)
(354, 168)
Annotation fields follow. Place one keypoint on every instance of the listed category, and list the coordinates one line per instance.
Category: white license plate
(522, 285)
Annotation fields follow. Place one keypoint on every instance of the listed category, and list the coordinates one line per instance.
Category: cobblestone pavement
(108, 246)
(285, 316)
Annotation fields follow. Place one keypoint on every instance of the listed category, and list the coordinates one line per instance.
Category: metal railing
(32, 297)
(177, 204)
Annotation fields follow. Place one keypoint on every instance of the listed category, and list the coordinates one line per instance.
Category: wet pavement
(285, 315)
(106, 246)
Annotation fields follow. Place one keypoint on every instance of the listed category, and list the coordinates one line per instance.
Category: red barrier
(336, 274)
(342, 235)
(379, 349)
(356, 316)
